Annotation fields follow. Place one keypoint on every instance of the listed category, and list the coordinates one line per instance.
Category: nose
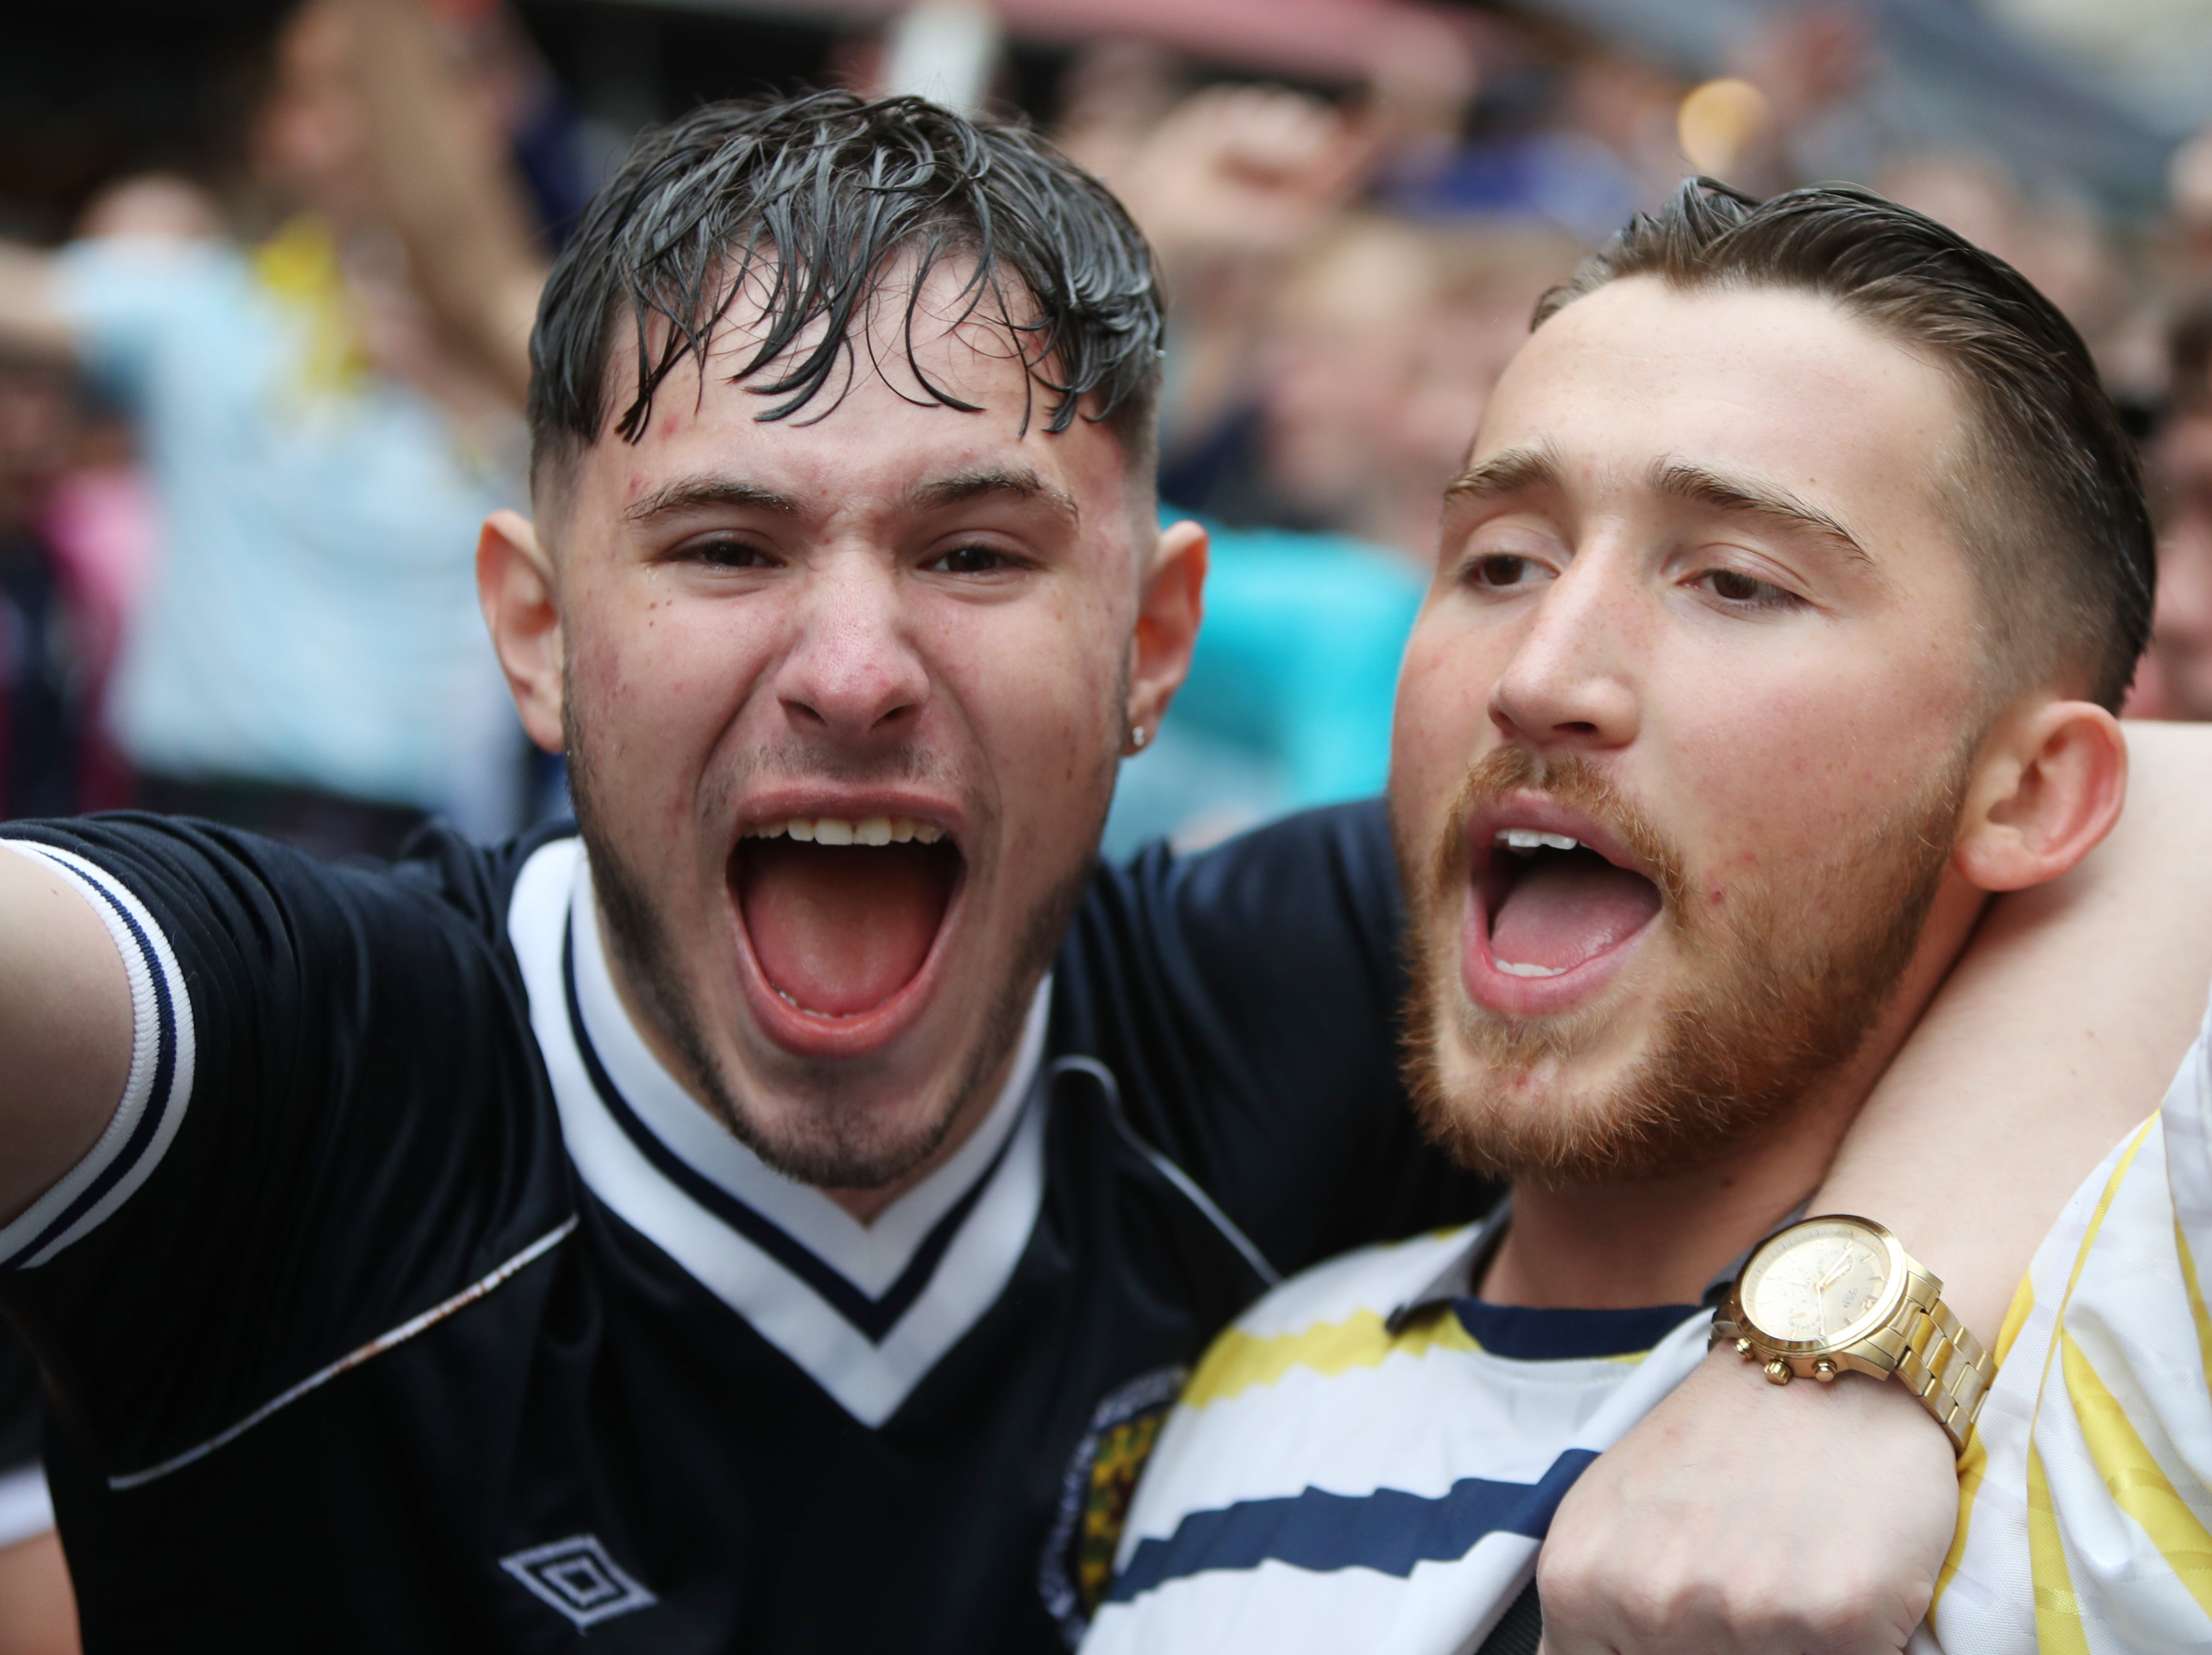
(852, 675)
(1569, 683)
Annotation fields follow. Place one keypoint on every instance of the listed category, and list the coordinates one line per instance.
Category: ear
(2049, 787)
(1169, 611)
(517, 589)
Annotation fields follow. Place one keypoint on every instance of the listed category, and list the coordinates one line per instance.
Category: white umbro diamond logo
(578, 1578)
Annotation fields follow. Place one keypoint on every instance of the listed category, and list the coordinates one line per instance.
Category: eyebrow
(1514, 470)
(1015, 481)
(692, 493)
(1743, 496)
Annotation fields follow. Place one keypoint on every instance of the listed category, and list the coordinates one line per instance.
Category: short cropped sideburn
(2051, 504)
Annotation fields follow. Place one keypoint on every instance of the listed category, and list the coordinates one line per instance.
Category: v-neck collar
(866, 1310)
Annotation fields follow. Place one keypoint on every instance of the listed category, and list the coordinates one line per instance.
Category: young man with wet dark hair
(1787, 596)
(770, 1215)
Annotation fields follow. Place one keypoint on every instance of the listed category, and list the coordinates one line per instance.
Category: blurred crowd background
(253, 401)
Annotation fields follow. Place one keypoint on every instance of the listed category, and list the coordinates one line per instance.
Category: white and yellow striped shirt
(2084, 1521)
(1369, 1459)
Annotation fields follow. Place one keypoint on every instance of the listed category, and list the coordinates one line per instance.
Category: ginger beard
(1772, 996)
(814, 903)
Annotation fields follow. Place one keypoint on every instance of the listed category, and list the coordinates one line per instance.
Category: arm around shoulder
(1740, 1516)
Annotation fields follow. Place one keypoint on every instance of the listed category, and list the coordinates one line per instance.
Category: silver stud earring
(1137, 738)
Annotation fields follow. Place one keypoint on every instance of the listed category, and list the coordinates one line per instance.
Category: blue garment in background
(314, 620)
(1289, 700)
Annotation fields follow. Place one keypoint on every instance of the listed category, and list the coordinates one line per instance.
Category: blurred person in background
(1381, 348)
(2176, 681)
(40, 706)
(1314, 354)
(308, 660)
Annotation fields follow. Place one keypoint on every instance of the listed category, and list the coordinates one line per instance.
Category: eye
(1502, 571)
(1740, 591)
(972, 560)
(726, 551)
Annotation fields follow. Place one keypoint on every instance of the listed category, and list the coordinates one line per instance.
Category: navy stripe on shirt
(1388, 1530)
(1546, 1334)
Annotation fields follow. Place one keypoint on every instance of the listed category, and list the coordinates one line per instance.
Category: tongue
(842, 929)
(1568, 909)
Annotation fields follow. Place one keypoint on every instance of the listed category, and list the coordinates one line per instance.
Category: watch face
(1816, 1282)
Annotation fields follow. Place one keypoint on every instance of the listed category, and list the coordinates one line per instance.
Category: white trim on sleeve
(27, 1509)
(155, 1096)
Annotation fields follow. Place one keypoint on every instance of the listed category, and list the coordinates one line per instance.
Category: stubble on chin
(1766, 1002)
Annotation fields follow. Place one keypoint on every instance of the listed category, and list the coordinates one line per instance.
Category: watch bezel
(1884, 1311)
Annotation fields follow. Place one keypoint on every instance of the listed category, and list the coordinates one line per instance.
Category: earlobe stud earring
(1137, 739)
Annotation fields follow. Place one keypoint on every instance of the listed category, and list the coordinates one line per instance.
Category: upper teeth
(835, 831)
(1533, 839)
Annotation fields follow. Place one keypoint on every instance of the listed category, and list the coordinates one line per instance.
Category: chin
(835, 1142)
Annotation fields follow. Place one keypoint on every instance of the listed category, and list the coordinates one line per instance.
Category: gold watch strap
(1944, 1363)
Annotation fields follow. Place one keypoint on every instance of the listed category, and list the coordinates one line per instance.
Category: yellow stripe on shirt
(2138, 1483)
(2057, 1611)
(1974, 1463)
(1239, 1361)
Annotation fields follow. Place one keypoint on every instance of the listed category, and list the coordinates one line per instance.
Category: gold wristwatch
(1837, 1294)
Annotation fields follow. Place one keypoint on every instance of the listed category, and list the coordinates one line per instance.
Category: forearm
(454, 202)
(2059, 1029)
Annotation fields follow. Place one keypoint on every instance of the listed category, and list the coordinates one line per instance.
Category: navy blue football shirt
(409, 1304)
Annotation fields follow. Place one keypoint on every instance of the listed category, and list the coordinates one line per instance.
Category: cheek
(657, 679)
(1779, 771)
(1037, 683)
(1442, 722)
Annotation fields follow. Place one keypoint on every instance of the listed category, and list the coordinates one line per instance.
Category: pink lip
(1532, 996)
(805, 1033)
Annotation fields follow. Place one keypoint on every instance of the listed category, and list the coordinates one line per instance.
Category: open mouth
(1552, 903)
(842, 915)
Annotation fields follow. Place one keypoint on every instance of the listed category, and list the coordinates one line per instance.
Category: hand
(1739, 1516)
(1244, 170)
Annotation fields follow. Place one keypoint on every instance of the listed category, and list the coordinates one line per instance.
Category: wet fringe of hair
(807, 202)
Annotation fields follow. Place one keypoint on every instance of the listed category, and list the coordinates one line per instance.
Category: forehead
(879, 425)
(1782, 385)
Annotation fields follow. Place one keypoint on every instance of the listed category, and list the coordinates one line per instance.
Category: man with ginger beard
(776, 1215)
(1785, 598)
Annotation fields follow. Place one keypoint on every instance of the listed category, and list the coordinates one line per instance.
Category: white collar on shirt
(866, 1310)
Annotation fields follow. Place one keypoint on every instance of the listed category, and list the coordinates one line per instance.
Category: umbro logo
(576, 1577)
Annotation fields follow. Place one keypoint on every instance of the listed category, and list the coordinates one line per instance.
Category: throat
(838, 930)
(1624, 1244)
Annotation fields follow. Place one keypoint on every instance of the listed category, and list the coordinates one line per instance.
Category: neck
(1619, 1243)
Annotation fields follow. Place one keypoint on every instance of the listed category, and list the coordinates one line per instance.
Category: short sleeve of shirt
(126, 298)
(334, 1120)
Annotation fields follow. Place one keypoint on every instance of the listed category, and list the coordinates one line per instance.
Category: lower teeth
(1515, 968)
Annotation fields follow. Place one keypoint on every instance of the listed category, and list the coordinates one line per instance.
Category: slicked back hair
(806, 205)
(2048, 497)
